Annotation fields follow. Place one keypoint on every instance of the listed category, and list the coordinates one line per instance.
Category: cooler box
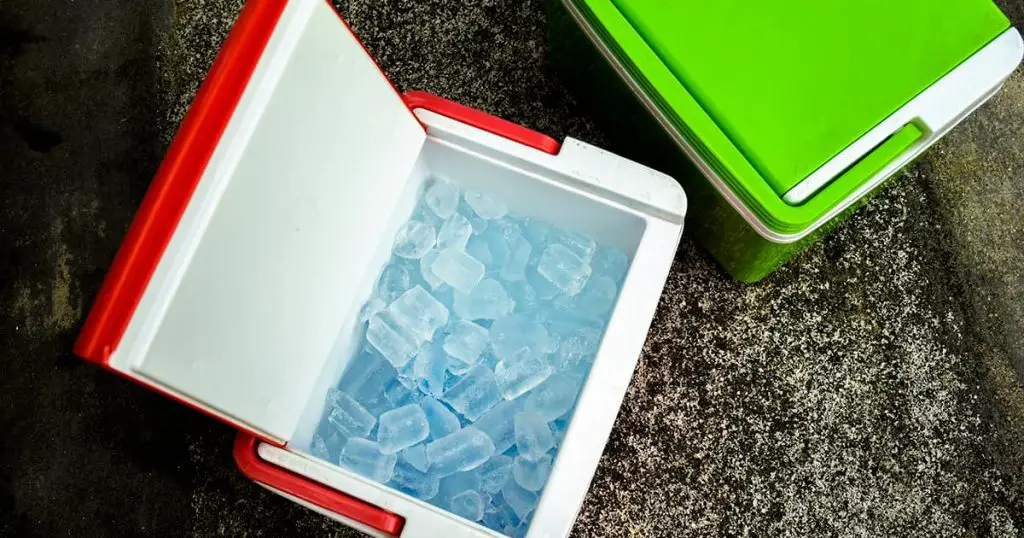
(780, 118)
(238, 287)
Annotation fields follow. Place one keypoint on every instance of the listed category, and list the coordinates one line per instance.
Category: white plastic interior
(245, 304)
(618, 202)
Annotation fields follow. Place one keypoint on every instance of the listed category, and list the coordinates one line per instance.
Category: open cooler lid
(794, 83)
(263, 219)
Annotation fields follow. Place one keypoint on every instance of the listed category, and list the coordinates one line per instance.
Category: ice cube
(419, 313)
(457, 483)
(519, 531)
(501, 516)
(488, 359)
(428, 368)
(499, 424)
(533, 436)
(519, 257)
(372, 306)
(518, 375)
(537, 232)
(582, 246)
(442, 421)
(413, 481)
(573, 341)
(478, 248)
(416, 455)
(500, 237)
(488, 300)
(610, 262)
(454, 233)
(349, 418)
(521, 500)
(474, 394)
(518, 336)
(542, 287)
(508, 228)
(485, 205)
(523, 296)
(398, 394)
(552, 398)
(463, 450)
(531, 474)
(364, 457)
(391, 339)
(427, 271)
(478, 223)
(563, 268)
(458, 269)
(465, 341)
(467, 504)
(366, 379)
(414, 239)
(394, 280)
(458, 368)
(318, 448)
(401, 428)
(558, 428)
(595, 300)
(494, 473)
(442, 197)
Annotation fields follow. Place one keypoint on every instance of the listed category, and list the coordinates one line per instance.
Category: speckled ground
(871, 387)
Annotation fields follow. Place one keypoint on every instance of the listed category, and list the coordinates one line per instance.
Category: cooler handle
(329, 499)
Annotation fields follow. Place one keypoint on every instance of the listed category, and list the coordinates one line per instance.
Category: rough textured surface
(872, 387)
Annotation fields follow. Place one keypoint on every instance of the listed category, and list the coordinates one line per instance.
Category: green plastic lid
(794, 83)
(768, 92)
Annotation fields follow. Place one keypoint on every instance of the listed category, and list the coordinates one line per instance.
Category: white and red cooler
(238, 286)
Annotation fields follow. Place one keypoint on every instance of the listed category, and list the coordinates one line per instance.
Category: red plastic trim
(259, 470)
(483, 120)
(182, 168)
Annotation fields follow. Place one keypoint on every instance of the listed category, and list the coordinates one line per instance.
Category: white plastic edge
(1008, 45)
(592, 169)
(175, 260)
(937, 110)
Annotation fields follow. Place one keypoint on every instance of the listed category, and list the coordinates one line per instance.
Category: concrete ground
(871, 387)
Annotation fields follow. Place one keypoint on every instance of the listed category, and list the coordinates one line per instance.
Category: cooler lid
(794, 83)
(253, 241)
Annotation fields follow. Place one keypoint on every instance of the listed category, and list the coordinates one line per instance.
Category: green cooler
(780, 118)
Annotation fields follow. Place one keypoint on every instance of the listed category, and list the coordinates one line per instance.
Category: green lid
(794, 83)
(767, 92)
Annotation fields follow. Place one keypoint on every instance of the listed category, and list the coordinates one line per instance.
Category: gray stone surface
(871, 387)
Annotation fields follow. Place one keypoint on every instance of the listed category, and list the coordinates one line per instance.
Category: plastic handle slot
(331, 500)
(863, 169)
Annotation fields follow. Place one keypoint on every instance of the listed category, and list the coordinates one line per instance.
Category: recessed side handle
(933, 113)
(357, 513)
(861, 168)
(860, 160)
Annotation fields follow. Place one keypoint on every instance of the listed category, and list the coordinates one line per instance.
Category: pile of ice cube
(479, 335)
